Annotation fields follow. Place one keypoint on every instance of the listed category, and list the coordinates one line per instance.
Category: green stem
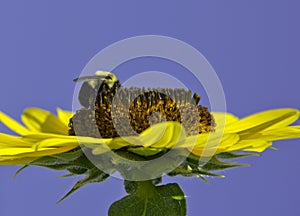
(146, 199)
(140, 188)
(144, 188)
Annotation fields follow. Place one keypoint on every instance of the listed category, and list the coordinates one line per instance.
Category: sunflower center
(130, 111)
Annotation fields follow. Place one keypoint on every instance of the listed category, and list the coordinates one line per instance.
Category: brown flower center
(130, 111)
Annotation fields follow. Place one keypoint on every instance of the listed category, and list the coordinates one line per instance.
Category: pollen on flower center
(129, 111)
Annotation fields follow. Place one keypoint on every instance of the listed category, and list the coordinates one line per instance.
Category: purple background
(253, 46)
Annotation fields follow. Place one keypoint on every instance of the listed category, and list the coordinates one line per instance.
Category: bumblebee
(95, 86)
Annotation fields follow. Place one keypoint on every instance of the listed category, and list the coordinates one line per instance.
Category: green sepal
(231, 155)
(214, 164)
(194, 172)
(130, 186)
(76, 163)
(149, 200)
(69, 156)
(73, 161)
(67, 175)
(194, 167)
(92, 176)
(20, 170)
(146, 152)
(190, 168)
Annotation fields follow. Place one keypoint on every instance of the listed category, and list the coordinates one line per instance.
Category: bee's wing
(87, 95)
(86, 78)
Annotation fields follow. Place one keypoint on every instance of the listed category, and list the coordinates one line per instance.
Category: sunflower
(48, 134)
(139, 124)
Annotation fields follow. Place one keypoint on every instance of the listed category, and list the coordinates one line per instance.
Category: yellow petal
(207, 146)
(37, 136)
(259, 148)
(64, 116)
(39, 120)
(56, 143)
(7, 141)
(12, 124)
(34, 153)
(280, 133)
(228, 140)
(101, 146)
(98, 150)
(114, 143)
(13, 151)
(120, 142)
(255, 145)
(162, 135)
(195, 141)
(224, 118)
(263, 121)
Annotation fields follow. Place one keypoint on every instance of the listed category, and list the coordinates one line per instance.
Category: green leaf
(147, 199)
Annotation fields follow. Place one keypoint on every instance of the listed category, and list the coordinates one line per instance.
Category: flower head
(142, 125)
(156, 119)
(133, 110)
